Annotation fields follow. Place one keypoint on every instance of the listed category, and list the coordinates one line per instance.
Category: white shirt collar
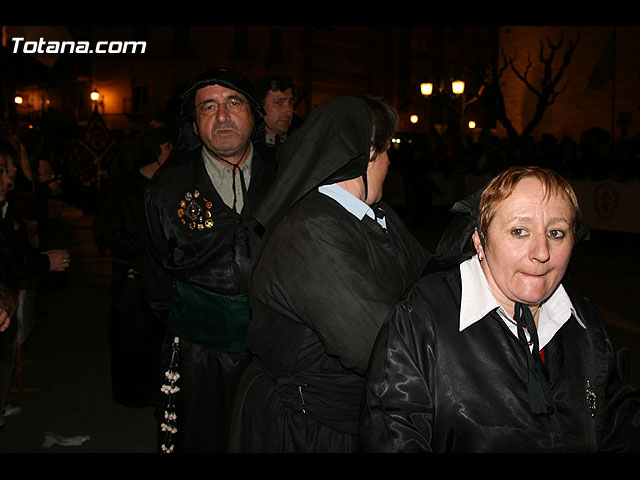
(271, 139)
(350, 202)
(478, 300)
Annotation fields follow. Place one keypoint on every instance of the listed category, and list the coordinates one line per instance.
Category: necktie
(539, 395)
(379, 213)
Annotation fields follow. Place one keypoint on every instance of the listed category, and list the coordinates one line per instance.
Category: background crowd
(421, 168)
(66, 174)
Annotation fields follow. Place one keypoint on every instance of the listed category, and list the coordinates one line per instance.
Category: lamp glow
(457, 87)
(94, 95)
(413, 118)
(426, 88)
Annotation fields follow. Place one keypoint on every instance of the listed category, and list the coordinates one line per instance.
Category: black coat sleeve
(156, 283)
(620, 424)
(398, 406)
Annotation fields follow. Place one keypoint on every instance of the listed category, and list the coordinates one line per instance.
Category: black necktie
(379, 213)
(539, 395)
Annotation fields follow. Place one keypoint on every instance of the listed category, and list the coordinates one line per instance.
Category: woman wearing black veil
(330, 271)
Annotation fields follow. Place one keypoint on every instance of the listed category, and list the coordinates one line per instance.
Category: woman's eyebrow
(527, 218)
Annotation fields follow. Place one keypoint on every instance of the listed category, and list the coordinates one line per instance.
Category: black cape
(319, 293)
(200, 253)
(216, 261)
(192, 236)
(433, 388)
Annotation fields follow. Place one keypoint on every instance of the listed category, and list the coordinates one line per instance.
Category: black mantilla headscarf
(333, 144)
(455, 247)
(455, 244)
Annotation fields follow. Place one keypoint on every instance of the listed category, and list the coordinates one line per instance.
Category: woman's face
(376, 173)
(528, 245)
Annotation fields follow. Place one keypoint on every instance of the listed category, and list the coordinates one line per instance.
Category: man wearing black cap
(202, 239)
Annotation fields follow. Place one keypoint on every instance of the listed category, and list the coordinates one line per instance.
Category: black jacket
(433, 388)
(218, 257)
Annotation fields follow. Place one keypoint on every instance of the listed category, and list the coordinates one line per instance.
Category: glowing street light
(457, 87)
(18, 100)
(94, 95)
(426, 88)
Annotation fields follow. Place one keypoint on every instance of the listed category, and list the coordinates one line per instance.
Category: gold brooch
(193, 213)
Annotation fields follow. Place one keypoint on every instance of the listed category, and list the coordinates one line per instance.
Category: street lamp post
(457, 87)
(94, 95)
(458, 91)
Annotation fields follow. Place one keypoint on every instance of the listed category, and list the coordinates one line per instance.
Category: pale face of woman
(376, 173)
(529, 244)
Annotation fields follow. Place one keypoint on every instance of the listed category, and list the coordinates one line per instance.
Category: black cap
(187, 139)
(226, 78)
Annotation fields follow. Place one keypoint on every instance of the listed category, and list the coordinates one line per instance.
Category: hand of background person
(59, 260)
(5, 320)
(8, 306)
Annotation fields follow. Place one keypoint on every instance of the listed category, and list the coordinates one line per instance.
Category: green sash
(204, 317)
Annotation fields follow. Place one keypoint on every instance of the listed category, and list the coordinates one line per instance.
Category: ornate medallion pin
(195, 212)
(591, 399)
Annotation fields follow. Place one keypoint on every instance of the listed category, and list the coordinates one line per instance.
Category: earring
(480, 256)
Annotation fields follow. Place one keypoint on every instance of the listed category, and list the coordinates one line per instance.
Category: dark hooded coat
(320, 292)
(199, 258)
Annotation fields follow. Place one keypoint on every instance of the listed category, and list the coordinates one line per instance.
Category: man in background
(276, 95)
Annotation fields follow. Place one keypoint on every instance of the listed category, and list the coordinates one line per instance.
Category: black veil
(332, 145)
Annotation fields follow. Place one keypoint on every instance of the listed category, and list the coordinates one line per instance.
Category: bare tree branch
(546, 91)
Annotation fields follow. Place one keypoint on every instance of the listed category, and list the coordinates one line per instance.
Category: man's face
(279, 108)
(223, 121)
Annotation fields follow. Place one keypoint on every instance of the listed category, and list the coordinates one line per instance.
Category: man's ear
(195, 128)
